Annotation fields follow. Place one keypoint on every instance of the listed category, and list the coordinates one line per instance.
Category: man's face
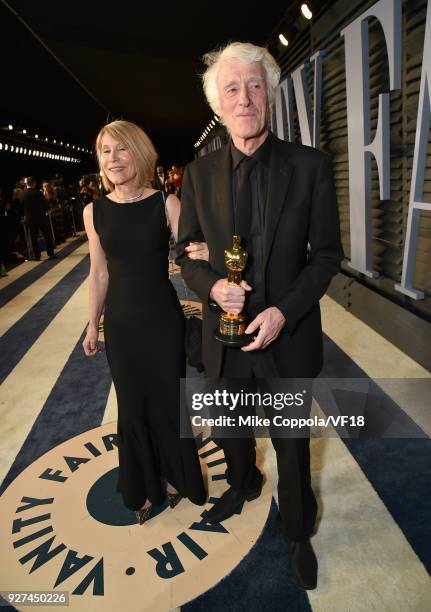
(243, 98)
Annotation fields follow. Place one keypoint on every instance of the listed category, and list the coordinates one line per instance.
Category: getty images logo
(243, 399)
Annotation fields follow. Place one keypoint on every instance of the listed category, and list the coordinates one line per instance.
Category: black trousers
(43, 225)
(297, 503)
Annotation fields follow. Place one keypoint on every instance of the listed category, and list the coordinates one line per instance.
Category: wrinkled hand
(197, 250)
(229, 297)
(90, 343)
(269, 322)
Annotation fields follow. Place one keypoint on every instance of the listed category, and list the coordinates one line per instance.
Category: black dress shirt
(259, 179)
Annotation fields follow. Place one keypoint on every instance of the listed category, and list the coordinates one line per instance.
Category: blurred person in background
(95, 190)
(159, 178)
(178, 179)
(170, 183)
(57, 212)
(85, 193)
(17, 215)
(4, 236)
(35, 209)
(50, 194)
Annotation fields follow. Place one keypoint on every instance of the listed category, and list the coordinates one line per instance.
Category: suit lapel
(223, 189)
(280, 174)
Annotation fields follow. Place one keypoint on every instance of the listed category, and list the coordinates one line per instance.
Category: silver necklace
(135, 197)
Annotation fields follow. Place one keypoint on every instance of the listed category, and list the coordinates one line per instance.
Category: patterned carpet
(373, 539)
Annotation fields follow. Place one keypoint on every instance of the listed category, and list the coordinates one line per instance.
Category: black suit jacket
(34, 206)
(302, 247)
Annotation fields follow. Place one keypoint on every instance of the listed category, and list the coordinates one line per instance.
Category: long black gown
(144, 341)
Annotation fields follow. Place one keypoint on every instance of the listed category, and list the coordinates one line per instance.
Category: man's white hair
(242, 52)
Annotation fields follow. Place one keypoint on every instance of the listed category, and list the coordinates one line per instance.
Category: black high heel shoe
(143, 514)
(173, 498)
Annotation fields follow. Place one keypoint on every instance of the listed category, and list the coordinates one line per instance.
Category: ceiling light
(306, 11)
(283, 40)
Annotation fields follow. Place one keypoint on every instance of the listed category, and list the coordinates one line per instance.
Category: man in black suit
(35, 208)
(159, 178)
(280, 198)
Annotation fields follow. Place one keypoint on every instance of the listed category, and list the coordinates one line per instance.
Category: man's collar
(262, 153)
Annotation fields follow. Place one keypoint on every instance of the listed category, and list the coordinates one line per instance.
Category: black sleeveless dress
(144, 341)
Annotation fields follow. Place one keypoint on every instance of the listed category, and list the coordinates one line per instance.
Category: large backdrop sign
(361, 145)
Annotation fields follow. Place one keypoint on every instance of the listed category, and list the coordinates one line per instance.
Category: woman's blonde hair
(139, 145)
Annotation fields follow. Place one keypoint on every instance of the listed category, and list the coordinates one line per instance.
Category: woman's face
(117, 161)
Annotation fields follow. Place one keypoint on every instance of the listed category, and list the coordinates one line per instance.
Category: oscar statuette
(231, 327)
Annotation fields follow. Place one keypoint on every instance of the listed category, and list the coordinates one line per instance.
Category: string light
(206, 131)
(37, 153)
(305, 10)
(36, 136)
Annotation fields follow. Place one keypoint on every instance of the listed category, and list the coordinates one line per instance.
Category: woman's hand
(197, 250)
(90, 343)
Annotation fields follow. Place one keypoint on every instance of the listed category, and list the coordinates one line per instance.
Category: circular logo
(64, 528)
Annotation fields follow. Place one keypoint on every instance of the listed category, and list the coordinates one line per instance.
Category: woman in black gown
(144, 325)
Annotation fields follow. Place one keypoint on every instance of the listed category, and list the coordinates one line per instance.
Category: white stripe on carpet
(25, 266)
(380, 359)
(25, 390)
(17, 307)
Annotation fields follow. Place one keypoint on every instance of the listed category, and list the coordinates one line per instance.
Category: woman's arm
(195, 250)
(173, 208)
(97, 282)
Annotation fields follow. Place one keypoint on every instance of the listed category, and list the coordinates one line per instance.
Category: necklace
(133, 198)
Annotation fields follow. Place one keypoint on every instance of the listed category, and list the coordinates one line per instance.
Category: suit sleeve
(44, 202)
(325, 253)
(24, 208)
(197, 273)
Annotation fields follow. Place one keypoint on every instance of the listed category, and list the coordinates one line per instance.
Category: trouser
(41, 224)
(297, 503)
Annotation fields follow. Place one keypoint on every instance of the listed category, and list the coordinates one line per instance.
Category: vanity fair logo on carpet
(64, 528)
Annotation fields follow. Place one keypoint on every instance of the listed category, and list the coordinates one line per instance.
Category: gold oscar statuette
(231, 327)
